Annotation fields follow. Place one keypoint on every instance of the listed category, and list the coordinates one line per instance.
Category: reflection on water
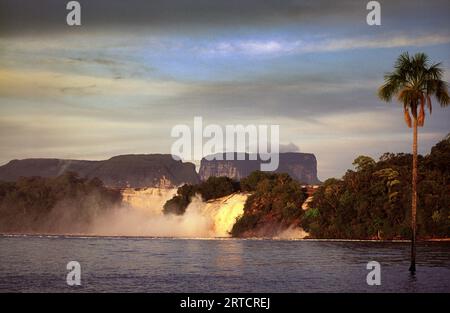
(228, 257)
(33, 263)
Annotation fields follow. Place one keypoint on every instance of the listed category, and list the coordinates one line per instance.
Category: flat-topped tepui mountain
(157, 170)
(134, 170)
(300, 166)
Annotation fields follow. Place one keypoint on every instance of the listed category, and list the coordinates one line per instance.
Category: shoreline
(87, 236)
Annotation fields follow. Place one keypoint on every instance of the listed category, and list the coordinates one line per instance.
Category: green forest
(374, 200)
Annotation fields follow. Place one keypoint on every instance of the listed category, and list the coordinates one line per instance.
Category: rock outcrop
(300, 166)
(134, 170)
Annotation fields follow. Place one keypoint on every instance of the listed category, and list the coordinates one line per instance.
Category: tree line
(63, 204)
(373, 201)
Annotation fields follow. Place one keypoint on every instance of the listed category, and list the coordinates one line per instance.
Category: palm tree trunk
(412, 268)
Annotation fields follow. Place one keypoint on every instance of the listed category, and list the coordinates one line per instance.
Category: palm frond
(403, 61)
(413, 82)
(435, 71)
(441, 93)
(393, 82)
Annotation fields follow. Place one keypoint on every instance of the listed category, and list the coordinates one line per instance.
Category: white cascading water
(142, 215)
(147, 200)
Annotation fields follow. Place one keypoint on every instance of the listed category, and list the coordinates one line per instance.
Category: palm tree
(414, 81)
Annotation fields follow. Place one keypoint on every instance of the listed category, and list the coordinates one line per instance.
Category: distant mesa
(157, 170)
(300, 166)
(134, 170)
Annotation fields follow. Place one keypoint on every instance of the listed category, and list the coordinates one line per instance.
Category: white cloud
(274, 47)
(33, 84)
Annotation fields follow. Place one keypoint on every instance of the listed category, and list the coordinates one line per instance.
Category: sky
(118, 83)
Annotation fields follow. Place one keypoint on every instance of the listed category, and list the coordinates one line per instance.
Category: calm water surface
(118, 264)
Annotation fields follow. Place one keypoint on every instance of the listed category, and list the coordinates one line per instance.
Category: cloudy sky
(134, 69)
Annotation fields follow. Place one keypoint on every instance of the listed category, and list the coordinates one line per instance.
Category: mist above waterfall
(141, 215)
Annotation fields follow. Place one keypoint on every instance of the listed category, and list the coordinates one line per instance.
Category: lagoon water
(126, 264)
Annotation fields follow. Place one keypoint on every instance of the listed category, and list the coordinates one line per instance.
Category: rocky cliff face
(136, 171)
(300, 166)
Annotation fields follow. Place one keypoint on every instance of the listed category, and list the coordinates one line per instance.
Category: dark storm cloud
(48, 15)
(19, 16)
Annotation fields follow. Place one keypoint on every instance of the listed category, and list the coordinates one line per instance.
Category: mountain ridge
(300, 166)
(129, 170)
(157, 170)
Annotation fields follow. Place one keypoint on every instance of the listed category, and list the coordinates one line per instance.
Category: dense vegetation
(61, 204)
(273, 206)
(374, 200)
